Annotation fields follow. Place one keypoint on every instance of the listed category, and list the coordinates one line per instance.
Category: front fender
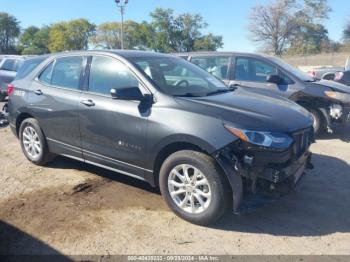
(233, 177)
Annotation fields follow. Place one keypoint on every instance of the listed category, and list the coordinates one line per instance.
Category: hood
(338, 87)
(252, 111)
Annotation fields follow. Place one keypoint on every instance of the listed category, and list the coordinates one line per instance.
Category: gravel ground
(76, 209)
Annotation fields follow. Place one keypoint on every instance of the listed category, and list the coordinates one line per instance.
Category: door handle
(38, 92)
(88, 103)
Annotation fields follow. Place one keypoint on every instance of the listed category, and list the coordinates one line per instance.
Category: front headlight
(344, 97)
(265, 139)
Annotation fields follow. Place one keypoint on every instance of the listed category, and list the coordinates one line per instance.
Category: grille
(302, 141)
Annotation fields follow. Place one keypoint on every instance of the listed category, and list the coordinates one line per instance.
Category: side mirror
(274, 79)
(127, 93)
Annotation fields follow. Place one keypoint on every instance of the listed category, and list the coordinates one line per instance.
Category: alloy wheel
(189, 189)
(31, 142)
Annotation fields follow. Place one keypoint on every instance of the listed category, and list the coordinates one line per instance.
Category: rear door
(113, 131)
(251, 73)
(54, 100)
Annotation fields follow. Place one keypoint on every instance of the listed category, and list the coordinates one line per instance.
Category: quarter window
(107, 73)
(253, 70)
(217, 66)
(67, 71)
(45, 76)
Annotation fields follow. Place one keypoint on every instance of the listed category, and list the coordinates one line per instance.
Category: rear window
(27, 67)
(11, 65)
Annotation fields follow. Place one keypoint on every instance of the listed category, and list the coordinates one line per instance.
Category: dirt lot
(71, 208)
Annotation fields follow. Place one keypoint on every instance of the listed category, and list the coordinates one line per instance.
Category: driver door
(113, 131)
(250, 74)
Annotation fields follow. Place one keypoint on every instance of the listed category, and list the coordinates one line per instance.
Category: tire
(210, 181)
(30, 127)
(319, 123)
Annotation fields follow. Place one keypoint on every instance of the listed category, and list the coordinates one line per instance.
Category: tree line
(294, 27)
(281, 27)
(166, 32)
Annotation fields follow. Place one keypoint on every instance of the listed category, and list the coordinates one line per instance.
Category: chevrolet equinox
(163, 120)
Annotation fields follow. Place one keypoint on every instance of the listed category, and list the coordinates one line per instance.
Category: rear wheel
(33, 142)
(193, 187)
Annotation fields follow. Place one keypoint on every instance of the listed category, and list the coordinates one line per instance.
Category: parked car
(342, 77)
(327, 101)
(163, 120)
(325, 72)
(4, 116)
(9, 66)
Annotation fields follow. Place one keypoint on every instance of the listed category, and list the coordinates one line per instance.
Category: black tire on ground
(319, 121)
(220, 190)
(45, 156)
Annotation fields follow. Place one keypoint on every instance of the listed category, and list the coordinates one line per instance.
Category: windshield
(177, 77)
(293, 70)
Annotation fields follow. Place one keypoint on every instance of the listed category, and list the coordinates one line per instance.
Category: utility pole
(121, 4)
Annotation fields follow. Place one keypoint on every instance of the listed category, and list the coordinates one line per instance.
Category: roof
(12, 56)
(123, 53)
(136, 53)
(215, 53)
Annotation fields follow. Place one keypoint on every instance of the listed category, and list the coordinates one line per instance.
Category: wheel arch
(320, 105)
(312, 102)
(170, 149)
(19, 120)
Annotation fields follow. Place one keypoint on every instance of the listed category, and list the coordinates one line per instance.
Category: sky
(228, 18)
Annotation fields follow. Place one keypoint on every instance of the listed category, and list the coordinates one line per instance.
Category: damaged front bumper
(345, 118)
(258, 177)
(340, 113)
(336, 114)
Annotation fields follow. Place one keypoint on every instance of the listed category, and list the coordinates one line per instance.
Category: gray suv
(328, 102)
(161, 119)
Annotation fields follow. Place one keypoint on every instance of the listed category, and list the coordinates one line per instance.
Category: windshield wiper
(219, 91)
(189, 95)
(312, 80)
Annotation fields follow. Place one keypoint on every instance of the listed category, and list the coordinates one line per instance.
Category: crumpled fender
(234, 178)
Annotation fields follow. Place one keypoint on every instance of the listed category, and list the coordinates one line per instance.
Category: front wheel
(193, 187)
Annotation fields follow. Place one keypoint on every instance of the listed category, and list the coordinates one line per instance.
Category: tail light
(10, 89)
